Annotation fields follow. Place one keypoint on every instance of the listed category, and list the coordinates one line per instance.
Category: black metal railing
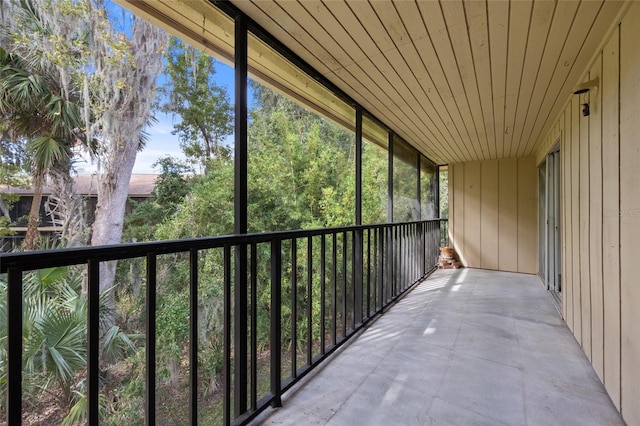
(320, 287)
(444, 233)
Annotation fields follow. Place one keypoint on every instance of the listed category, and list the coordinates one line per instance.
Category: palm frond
(115, 345)
(46, 150)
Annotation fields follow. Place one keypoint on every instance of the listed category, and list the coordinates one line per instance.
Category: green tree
(202, 106)
(444, 194)
(301, 167)
(207, 210)
(171, 188)
(37, 105)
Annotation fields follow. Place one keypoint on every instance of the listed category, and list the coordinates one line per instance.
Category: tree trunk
(112, 199)
(4, 208)
(126, 113)
(34, 213)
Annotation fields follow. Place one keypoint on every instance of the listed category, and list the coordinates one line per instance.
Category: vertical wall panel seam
(498, 208)
(567, 174)
(464, 204)
(452, 204)
(480, 200)
(579, 221)
(517, 215)
(589, 225)
(601, 107)
(619, 207)
(463, 237)
(570, 217)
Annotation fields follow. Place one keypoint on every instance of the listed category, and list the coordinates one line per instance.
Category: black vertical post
(294, 307)
(368, 296)
(240, 216)
(437, 192)
(390, 180)
(422, 235)
(334, 283)
(309, 300)
(240, 140)
(354, 279)
(93, 341)
(14, 347)
(415, 241)
(150, 401)
(358, 264)
(276, 332)
(254, 326)
(193, 337)
(226, 359)
(345, 312)
(419, 186)
(390, 229)
(323, 289)
(240, 330)
(358, 165)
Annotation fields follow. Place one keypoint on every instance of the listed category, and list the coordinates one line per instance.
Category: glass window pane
(301, 148)
(405, 182)
(375, 164)
(428, 189)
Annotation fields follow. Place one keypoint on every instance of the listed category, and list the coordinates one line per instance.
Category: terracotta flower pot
(446, 252)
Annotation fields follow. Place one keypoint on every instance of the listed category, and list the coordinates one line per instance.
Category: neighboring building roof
(140, 185)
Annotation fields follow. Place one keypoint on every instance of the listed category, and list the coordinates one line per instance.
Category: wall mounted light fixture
(584, 88)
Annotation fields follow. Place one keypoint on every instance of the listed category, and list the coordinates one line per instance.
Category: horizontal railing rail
(316, 287)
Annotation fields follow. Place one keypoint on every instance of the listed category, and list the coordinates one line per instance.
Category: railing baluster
(276, 324)
(359, 276)
(323, 259)
(395, 250)
(309, 300)
(412, 250)
(356, 277)
(14, 347)
(344, 283)
(294, 307)
(193, 336)
(93, 342)
(414, 254)
(150, 400)
(240, 330)
(376, 271)
(416, 251)
(368, 306)
(226, 361)
(389, 263)
(406, 259)
(334, 281)
(402, 259)
(254, 326)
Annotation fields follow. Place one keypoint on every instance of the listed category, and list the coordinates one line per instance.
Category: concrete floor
(465, 347)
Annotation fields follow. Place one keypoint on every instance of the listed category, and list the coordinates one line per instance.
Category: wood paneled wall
(600, 160)
(493, 210)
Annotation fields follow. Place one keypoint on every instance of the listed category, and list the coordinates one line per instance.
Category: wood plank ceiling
(460, 80)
